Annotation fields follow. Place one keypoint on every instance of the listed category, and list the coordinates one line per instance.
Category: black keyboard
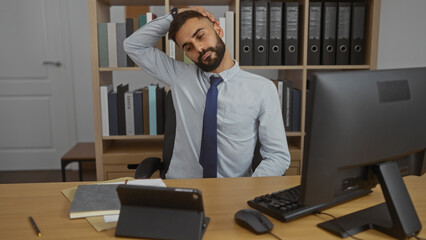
(284, 205)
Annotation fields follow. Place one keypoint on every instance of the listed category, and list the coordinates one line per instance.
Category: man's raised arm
(140, 48)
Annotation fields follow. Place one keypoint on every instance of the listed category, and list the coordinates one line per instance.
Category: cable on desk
(275, 235)
(338, 222)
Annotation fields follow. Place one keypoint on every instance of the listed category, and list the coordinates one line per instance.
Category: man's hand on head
(201, 10)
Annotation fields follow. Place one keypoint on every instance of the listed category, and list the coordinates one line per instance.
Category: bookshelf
(116, 156)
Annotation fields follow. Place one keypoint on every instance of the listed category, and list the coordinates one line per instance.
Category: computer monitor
(365, 128)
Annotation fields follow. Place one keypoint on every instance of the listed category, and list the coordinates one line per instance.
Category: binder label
(292, 19)
(246, 22)
(315, 23)
(261, 18)
(275, 27)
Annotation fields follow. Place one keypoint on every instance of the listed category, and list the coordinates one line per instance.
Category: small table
(81, 152)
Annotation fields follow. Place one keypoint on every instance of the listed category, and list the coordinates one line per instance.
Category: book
(112, 44)
(142, 20)
(145, 109)
(296, 110)
(103, 44)
(138, 111)
(121, 110)
(120, 36)
(152, 109)
(130, 28)
(280, 86)
(104, 90)
(112, 113)
(130, 122)
(222, 24)
(287, 103)
(95, 200)
(229, 32)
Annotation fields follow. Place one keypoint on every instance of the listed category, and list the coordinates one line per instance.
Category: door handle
(58, 64)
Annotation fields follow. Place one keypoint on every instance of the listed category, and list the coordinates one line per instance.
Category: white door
(35, 98)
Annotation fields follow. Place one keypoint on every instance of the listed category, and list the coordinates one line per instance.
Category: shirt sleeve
(140, 48)
(274, 148)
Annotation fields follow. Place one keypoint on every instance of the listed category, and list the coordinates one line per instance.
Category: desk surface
(222, 198)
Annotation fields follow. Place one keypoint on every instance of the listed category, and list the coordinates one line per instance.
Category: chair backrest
(170, 134)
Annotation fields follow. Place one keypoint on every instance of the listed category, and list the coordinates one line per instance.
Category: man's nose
(199, 47)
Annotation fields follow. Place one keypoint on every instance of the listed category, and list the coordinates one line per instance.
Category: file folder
(246, 33)
(328, 50)
(287, 104)
(296, 110)
(121, 110)
(112, 113)
(359, 10)
(314, 33)
(343, 32)
(129, 31)
(260, 33)
(291, 33)
(275, 33)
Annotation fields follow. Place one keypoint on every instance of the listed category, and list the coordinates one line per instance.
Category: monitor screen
(356, 120)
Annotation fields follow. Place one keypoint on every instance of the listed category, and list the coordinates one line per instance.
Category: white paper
(111, 218)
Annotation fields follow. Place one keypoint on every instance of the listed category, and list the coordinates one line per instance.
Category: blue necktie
(208, 152)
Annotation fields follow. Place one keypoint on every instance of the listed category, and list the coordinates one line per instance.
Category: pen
(35, 226)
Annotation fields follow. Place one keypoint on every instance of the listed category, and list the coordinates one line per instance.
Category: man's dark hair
(179, 20)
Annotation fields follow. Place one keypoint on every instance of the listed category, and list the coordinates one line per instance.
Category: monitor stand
(396, 217)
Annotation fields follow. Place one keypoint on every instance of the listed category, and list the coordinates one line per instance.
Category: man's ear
(218, 29)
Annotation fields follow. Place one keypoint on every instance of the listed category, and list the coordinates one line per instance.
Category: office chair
(150, 165)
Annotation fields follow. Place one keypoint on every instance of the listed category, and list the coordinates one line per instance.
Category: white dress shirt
(248, 109)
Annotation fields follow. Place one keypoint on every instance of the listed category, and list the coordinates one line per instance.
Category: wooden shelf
(294, 134)
(134, 137)
(104, 69)
(296, 67)
(337, 67)
(134, 2)
(115, 153)
(134, 147)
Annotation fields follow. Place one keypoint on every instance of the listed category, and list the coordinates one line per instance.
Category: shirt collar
(227, 74)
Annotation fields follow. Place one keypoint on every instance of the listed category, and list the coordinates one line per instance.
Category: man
(247, 105)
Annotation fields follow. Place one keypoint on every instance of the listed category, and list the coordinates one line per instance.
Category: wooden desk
(222, 198)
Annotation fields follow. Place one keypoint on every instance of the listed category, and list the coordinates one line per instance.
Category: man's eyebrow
(193, 35)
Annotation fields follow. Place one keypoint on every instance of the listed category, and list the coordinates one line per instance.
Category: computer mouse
(253, 220)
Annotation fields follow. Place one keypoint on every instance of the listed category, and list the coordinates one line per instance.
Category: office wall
(402, 34)
(401, 44)
(78, 15)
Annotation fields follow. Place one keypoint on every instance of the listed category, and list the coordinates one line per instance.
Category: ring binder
(314, 41)
(329, 34)
(246, 33)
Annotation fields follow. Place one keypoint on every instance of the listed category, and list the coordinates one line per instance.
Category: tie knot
(214, 81)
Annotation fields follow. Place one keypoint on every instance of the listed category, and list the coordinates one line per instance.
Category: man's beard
(212, 63)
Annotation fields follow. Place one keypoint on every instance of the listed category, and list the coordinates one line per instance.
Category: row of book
(111, 36)
(139, 112)
(269, 33)
(336, 33)
(291, 104)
